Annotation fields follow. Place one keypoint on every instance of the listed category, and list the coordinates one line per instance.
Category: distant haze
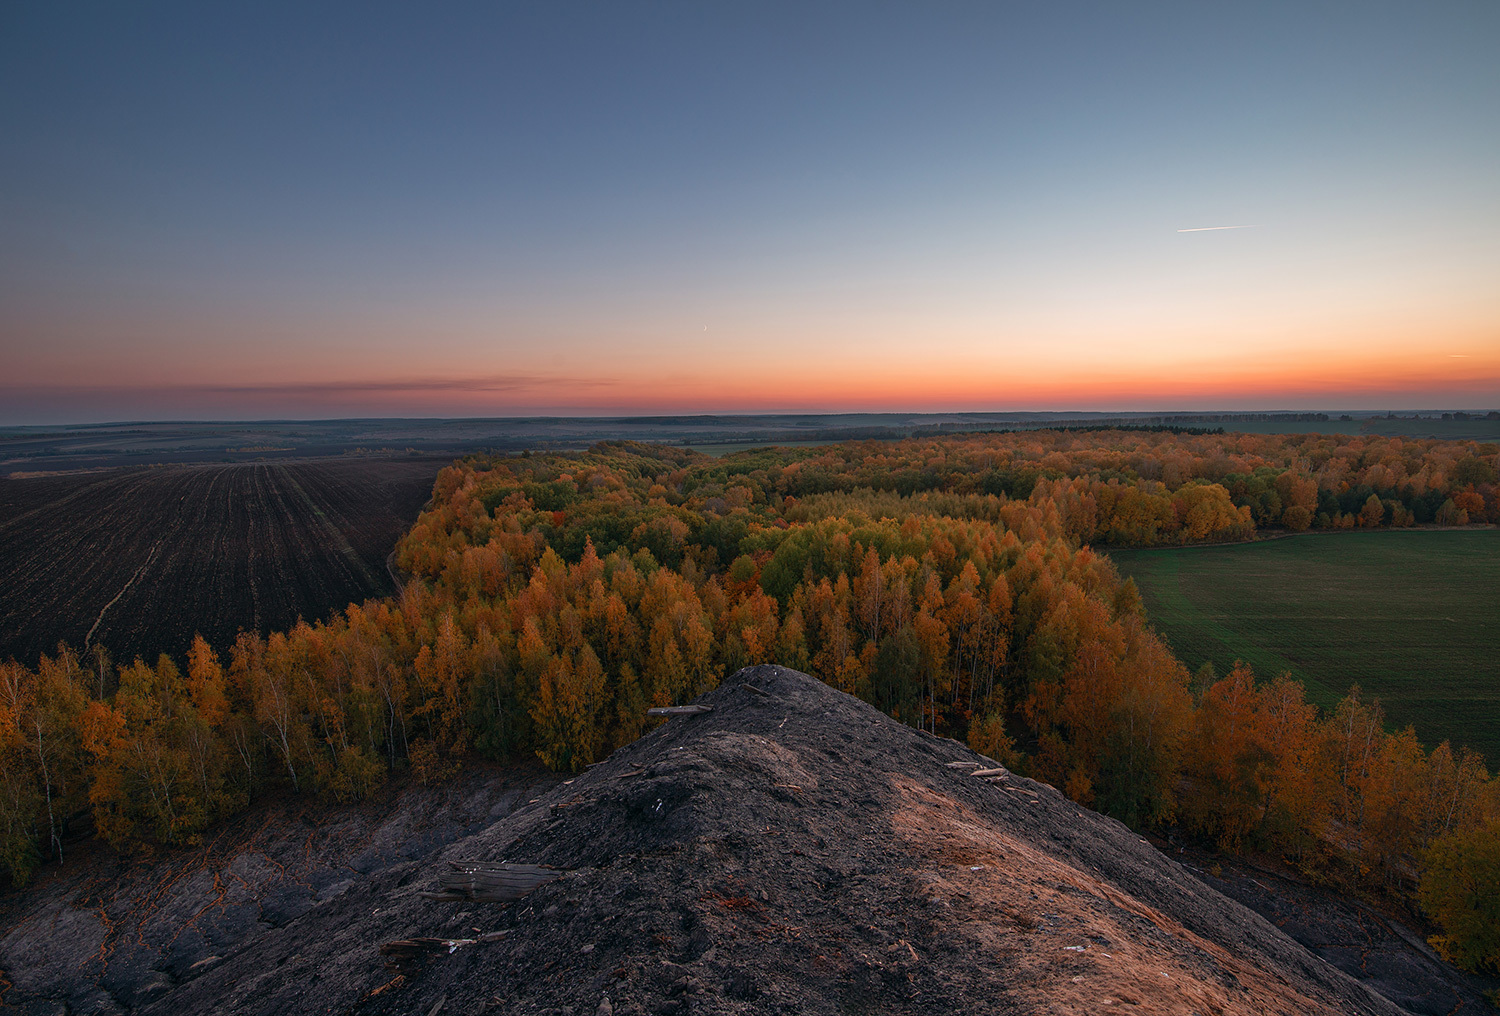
(216, 211)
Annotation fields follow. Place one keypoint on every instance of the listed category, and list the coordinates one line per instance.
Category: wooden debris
(410, 948)
(575, 802)
(693, 710)
(1000, 771)
(963, 765)
(391, 985)
(409, 953)
(489, 882)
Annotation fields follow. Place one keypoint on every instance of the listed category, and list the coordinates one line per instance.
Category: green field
(1413, 617)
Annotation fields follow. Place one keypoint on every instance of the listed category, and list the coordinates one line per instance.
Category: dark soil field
(139, 560)
(1413, 617)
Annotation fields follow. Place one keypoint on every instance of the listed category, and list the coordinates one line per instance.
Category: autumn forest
(961, 585)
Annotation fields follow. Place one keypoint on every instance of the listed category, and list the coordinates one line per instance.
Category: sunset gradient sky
(232, 211)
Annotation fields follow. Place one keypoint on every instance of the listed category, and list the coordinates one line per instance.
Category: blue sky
(676, 207)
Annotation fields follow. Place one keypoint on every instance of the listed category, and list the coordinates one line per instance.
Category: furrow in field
(148, 601)
(320, 527)
(73, 567)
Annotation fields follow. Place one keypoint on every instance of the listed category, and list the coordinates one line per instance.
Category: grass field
(1413, 617)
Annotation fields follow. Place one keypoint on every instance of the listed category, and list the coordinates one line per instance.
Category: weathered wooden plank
(409, 953)
(1001, 771)
(419, 946)
(692, 710)
(503, 866)
(491, 882)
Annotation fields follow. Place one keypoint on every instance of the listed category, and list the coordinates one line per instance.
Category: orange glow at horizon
(860, 365)
(1454, 381)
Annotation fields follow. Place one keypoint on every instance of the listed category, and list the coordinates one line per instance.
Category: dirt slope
(108, 934)
(1375, 948)
(793, 850)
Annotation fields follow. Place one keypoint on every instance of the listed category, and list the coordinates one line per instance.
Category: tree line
(551, 599)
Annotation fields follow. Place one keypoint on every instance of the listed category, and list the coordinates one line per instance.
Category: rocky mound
(792, 850)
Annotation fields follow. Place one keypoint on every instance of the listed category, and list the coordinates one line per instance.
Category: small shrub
(1460, 890)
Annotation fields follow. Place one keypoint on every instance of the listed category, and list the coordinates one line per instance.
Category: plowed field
(141, 559)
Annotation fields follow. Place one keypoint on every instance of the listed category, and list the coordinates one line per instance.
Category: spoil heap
(791, 850)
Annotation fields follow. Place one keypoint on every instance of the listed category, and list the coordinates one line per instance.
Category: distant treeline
(1153, 428)
(1245, 417)
(552, 598)
(1296, 481)
(1177, 423)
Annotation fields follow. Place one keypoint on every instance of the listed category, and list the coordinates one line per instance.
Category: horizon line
(1018, 414)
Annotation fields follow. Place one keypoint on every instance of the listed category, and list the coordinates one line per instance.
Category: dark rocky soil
(792, 851)
(104, 934)
(1380, 950)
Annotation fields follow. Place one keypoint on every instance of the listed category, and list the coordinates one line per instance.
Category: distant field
(141, 559)
(1413, 617)
(722, 448)
(1446, 430)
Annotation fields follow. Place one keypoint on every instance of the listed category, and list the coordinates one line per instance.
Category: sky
(240, 211)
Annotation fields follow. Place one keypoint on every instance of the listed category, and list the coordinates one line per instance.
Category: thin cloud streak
(492, 384)
(1210, 229)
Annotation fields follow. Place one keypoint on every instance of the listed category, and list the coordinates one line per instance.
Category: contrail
(1205, 229)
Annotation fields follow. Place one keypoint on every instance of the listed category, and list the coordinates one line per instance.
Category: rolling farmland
(141, 559)
(1413, 617)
